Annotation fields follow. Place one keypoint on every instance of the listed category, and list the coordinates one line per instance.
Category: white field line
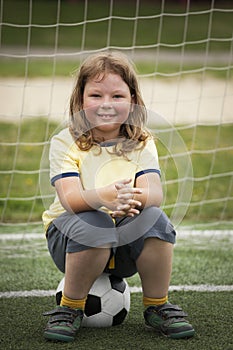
(180, 234)
(20, 236)
(186, 288)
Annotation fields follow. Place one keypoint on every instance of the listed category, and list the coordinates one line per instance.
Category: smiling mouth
(106, 116)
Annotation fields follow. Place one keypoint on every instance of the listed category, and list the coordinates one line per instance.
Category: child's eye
(94, 95)
(118, 96)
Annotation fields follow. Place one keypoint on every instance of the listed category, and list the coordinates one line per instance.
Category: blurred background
(182, 51)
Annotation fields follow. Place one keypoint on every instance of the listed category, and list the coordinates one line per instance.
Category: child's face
(107, 103)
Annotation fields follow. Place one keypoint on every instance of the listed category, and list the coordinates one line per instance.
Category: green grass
(213, 140)
(44, 13)
(73, 35)
(65, 68)
(25, 158)
(22, 326)
(37, 68)
(26, 265)
(21, 259)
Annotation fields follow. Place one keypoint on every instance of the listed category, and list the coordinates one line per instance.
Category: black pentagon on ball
(119, 318)
(58, 297)
(93, 305)
(117, 283)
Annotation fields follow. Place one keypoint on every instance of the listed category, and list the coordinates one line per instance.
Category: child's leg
(81, 263)
(152, 253)
(154, 267)
(82, 269)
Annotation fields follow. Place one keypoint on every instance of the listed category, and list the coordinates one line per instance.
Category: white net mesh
(183, 53)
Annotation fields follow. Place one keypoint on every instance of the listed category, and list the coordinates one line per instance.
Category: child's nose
(106, 105)
(107, 102)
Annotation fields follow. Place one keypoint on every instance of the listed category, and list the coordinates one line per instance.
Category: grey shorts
(71, 233)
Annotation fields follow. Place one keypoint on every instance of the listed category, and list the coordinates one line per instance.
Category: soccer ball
(108, 301)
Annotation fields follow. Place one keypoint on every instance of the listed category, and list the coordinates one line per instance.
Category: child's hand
(127, 205)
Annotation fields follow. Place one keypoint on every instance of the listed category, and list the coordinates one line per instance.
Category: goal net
(183, 54)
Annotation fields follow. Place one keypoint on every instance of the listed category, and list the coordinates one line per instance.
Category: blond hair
(133, 131)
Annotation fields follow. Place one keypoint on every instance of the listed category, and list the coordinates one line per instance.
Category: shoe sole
(58, 337)
(186, 334)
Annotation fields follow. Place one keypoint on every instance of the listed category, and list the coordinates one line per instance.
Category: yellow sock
(154, 301)
(73, 303)
(111, 264)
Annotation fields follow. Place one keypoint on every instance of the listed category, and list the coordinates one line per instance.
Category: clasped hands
(125, 203)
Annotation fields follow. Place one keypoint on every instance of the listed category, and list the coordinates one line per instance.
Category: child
(106, 216)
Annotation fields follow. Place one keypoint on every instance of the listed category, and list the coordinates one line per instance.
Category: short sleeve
(148, 159)
(63, 157)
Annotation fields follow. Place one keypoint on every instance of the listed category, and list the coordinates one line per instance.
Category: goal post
(183, 52)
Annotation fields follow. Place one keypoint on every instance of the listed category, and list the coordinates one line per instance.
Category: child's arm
(150, 194)
(151, 187)
(75, 199)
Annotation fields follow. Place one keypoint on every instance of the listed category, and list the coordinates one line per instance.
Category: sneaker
(63, 323)
(168, 320)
